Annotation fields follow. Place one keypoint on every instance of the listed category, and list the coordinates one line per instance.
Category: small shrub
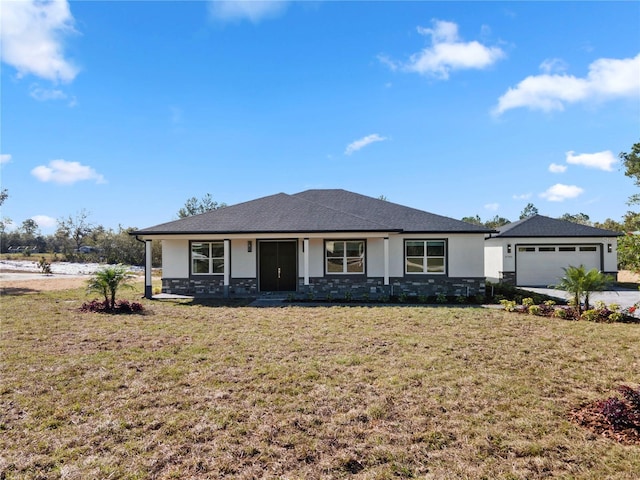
(403, 298)
(617, 413)
(527, 302)
(534, 310)
(461, 299)
(632, 396)
(441, 298)
(103, 306)
(615, 317)
(509, 305)
(124, 306)
(422, 299)
(348, 295)
(549, 303)
(45, 267)
(560, 313)
(590, 315)
(95, 306)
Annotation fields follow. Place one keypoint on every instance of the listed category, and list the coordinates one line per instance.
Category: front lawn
(195, 391)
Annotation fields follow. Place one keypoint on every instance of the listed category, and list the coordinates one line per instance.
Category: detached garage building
(534, 251)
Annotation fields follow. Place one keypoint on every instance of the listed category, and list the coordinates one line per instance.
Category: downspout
(148, 290)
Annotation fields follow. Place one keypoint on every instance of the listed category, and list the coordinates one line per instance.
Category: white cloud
(523, 196)
(252, 10)
(551, 65)
(5, 158)
(44, 221)
(607, 78)
(446, 53)
(600, 160)
(555, 168)
(363, 142)
(66, 173)
(492, 206)
(45, 94)
(560, 192)
(32, 34)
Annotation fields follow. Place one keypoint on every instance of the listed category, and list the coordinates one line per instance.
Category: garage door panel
(542, 265)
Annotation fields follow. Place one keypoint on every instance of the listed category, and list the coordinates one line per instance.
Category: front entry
(277, 263)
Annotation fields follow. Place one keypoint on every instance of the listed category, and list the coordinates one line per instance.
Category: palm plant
(582, 283)
(108, 280)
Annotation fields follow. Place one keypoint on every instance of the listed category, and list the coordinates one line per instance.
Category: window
(344, 256)
(566, 249)
(588, 249)
(526, 249)
(425, 256)
(547, 249)
(207, 258)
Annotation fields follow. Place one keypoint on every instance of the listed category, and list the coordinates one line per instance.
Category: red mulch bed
(590, 416)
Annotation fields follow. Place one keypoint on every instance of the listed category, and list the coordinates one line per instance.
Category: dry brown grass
(190, 391)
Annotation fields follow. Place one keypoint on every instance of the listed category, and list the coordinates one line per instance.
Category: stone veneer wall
(374, 288)
(333, 287)
(210, 287)
(509, 278)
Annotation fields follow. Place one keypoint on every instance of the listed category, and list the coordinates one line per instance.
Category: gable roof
(314, 211)
(541, 226)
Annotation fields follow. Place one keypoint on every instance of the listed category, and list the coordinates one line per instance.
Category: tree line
(77, 238)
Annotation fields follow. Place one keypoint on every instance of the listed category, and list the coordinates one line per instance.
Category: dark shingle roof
(314, 211)
(541, 226)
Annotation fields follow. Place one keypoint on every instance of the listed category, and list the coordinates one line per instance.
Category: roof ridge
(342, 211)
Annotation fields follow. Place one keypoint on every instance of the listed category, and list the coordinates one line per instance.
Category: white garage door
(542, 265)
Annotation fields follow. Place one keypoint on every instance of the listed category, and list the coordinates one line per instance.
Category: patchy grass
(198, 391)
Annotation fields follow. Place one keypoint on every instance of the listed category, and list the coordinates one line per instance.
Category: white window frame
(212, 261)
(424, 258)
(361, 258)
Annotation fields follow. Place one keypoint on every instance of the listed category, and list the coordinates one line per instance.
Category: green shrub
(534, 310)
(615, 317)
(527, 302)
(590, 315)
(509, 305)
(560, 313)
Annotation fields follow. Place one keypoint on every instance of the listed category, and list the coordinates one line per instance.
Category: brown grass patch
(193, 391)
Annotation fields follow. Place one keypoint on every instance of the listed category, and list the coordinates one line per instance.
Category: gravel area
(25, 276)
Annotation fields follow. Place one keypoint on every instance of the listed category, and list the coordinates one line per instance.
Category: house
(320, 244)
(534, 251)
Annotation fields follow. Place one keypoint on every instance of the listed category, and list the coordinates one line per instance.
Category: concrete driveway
(621, 296)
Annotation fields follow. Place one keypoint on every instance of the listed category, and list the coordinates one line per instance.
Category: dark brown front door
(277, 266)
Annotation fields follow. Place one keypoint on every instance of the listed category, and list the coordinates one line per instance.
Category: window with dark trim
(589, 249)
(425, 256)
(207, 258)
(344, 256)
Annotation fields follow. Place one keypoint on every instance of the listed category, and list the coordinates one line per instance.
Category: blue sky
(127, 109)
